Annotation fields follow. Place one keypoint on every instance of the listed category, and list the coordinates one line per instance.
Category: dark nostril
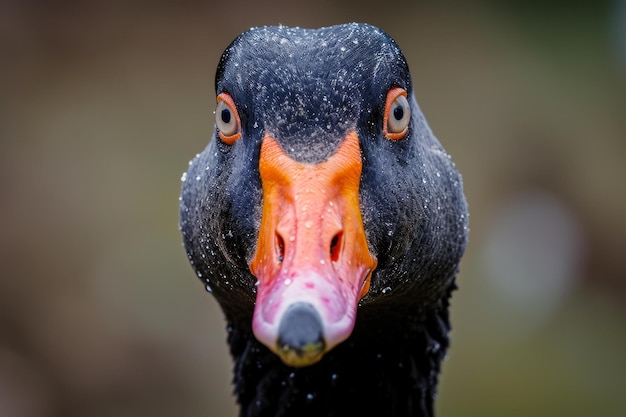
(280, 247)
(300, 330)
(335, 247)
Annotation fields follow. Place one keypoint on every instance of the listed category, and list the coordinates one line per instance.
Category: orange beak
(312, 261)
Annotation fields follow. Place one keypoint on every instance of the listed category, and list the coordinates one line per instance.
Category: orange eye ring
(397, 114)
(227, 119)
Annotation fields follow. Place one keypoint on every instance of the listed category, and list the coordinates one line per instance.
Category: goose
(328, 222)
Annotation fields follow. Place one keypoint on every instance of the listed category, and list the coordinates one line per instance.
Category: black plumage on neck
(388, 367)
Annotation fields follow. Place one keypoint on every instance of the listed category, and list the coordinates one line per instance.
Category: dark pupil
(398, 113)
(226, 116)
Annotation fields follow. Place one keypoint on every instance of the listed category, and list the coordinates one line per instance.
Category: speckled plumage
(307, 88)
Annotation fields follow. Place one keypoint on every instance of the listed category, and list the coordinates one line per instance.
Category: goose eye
(227, 119)
(397, 114)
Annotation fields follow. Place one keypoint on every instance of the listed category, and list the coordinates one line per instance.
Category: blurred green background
(103, 103)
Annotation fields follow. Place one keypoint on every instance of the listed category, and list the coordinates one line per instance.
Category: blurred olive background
(103, 103)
